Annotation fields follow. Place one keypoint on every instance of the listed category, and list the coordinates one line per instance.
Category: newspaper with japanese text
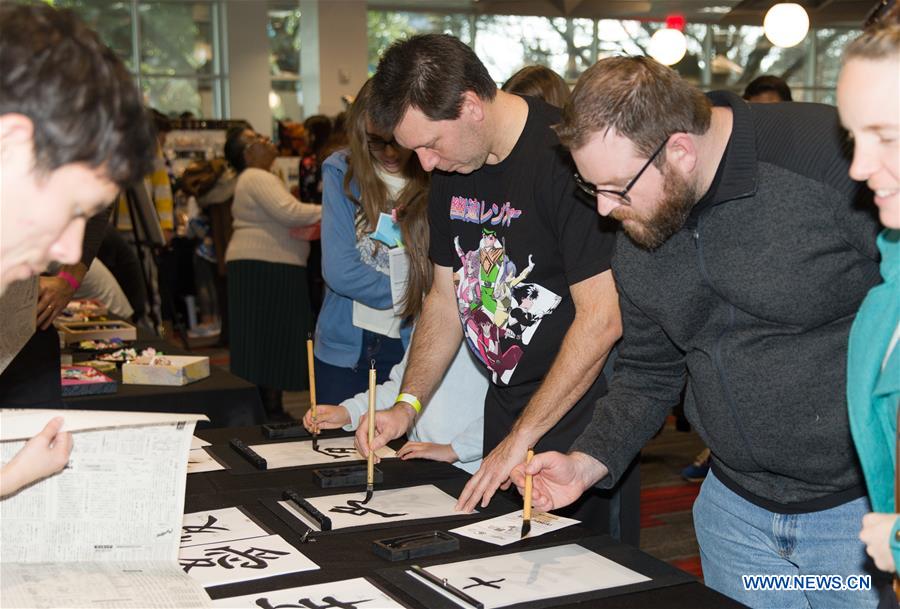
(105, 531)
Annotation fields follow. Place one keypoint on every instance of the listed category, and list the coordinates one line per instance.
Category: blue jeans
(740, 538)
(335, 384)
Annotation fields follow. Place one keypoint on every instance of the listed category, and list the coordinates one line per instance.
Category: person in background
(870, 76)
(767, 89)
(338, 139)
(762, 90)
(747, 253)
(540, 82)
(268, 300)
(450, 426)
(159, 265)
(358, 322)
(121, 259)
(73, 132)
(318, 130)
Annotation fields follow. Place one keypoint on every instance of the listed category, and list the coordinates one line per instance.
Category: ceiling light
(786, 24)
(668, 45)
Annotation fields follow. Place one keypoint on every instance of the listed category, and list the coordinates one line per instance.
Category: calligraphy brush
(370, 469)
(526, 509)
(310, 365)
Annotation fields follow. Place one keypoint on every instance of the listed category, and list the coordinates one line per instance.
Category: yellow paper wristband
(411, 400)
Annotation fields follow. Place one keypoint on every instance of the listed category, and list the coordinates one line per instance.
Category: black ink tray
(344, 475)
(417, 545)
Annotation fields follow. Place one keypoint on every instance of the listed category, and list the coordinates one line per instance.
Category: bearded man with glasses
(748, 252)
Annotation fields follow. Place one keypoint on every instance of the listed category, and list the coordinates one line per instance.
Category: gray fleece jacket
(751, 304)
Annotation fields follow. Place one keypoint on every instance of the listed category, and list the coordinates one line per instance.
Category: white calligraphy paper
(332, 451)
(355, 593)
(214, 564)
(389, 505)
(120, 498)
(507, 529)
(200, 461)
(198, 443)
(217, 526)
(499, 581)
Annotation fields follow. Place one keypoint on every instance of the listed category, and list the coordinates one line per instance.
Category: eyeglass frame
(380, 145)
(622, 195)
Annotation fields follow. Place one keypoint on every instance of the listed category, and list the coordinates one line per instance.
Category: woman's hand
(428, 450)
(327, 417)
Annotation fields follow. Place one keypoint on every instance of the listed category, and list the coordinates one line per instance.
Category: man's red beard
(672, 210)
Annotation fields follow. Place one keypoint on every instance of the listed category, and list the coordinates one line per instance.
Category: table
(226, 399)
(347, 554)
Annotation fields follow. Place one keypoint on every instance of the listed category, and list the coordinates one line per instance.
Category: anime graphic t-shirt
(517, 236)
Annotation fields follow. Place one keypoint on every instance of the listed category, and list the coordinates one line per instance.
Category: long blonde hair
(411, 203)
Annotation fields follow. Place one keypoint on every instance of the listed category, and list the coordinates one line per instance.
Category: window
(286, 94)
(172, 47)
(718, 57)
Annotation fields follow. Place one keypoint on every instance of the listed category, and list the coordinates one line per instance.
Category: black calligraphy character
(306, 603)
(189, 563)
(480, 582)
(188, 530)
(337, 452)
(355, 507)
(254, 558)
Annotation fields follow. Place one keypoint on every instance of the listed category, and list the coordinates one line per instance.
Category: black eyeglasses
(619, 196)
(376, 144)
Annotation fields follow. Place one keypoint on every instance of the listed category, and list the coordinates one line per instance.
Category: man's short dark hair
(761, 84)
(429, 72)
(82, 102)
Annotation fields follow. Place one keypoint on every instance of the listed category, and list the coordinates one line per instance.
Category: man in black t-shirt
(518, 259)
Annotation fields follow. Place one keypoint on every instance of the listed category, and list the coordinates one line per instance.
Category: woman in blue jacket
(360, 321)
(869, 77)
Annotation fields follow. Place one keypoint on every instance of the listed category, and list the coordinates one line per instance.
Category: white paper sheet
(499, 581)
(332, 451)
(399, 269)
(136, 585)
(357, 592)
(104, 532)
(390, 505)
(198, 443)
(121, 498)
(19, 424)
(200, 461)
(214, 564)
(507, 529)
(218, 526)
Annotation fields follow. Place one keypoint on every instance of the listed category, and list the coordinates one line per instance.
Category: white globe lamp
(786, 24)
(668, 45)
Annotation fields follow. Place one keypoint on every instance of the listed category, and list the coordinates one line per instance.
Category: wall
(334, 55)
(248, 63)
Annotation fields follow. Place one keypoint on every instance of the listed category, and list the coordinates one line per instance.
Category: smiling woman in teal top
(869, 78)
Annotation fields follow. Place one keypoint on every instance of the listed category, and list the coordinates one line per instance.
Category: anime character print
(499, 311)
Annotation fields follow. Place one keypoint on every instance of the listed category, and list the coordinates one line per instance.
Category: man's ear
(472, 107)
(15, 129)
(681, 152)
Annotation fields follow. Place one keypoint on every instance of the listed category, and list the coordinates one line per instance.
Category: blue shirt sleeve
(343, 269)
